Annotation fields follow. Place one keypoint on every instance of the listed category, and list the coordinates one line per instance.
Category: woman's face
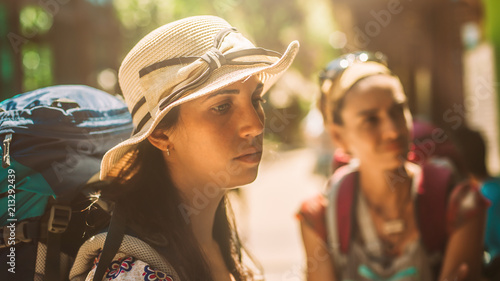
(376, 123)
(218, 139)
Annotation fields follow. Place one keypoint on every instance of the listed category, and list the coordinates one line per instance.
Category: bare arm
(319, 261)
(465, 247)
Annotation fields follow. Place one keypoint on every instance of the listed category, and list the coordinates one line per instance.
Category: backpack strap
(345, 209)
(314, 209)
(112, 243)
(59, 218)
(341, 204)
(432, 199)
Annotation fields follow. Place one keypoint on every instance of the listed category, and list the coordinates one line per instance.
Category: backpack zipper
(6, 151)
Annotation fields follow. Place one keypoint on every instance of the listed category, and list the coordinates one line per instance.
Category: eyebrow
(258, 89)
(371, 111)
(367, 112)
(223, 92)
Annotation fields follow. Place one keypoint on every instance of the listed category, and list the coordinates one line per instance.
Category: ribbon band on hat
(229, 59)
(214, 56)
(213, 59)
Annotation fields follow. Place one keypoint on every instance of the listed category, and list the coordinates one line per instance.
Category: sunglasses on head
(334, 68)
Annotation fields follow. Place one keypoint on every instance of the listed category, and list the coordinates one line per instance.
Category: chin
(235, 174)
(250, 177)
(245, 177)
(394, 163)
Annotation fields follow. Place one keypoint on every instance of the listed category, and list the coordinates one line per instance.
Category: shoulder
(132, 252)
(342, 173)
(465, 202)
(460, 200)
(312, 214)
(125, 267)
(312, 211)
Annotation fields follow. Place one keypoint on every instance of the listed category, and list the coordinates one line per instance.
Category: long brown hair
(153, 215)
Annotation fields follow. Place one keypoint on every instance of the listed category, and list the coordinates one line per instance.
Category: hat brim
(116, 158)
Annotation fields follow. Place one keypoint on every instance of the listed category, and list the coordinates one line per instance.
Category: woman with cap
(194, 88)
(383, 217)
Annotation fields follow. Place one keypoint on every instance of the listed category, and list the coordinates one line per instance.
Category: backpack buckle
(59, 218)
(6, 151)
(13, 234)
(65, 104)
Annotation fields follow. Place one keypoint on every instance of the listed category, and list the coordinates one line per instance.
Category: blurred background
(446, 52)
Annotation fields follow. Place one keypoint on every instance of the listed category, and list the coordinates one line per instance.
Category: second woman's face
(218, 139)
(377, 122)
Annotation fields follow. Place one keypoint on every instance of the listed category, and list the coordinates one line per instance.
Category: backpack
(336, 227)
(53, 140)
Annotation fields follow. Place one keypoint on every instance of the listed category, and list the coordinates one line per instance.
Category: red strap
(345, 200)
(313, 210)
(432, 205)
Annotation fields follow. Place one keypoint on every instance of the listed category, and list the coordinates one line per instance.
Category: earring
(168, 151)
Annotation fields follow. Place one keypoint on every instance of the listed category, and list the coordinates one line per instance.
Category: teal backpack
(53, 140)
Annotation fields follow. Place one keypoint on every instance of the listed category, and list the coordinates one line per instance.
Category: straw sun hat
(182, 61)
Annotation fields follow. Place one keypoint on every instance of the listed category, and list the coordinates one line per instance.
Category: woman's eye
(220, 109)
(372, 120)
(398, 111)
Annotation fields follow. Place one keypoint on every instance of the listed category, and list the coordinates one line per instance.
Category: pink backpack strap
(338, 218)
(432, 204)
(344, 209)
(313, 210)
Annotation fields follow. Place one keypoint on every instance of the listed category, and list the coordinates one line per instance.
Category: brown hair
(153, 215)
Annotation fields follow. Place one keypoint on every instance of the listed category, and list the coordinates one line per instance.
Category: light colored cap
(338, 88)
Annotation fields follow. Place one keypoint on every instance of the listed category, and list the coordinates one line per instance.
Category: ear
(160, 140)
(337, 135)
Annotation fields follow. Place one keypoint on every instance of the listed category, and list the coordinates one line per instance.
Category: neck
(385, 187)
(199, 211)
(200, 201)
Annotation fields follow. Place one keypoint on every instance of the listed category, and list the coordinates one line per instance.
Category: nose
(251, 122)
(390, 128)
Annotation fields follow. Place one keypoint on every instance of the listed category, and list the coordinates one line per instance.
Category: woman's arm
(319, 261)
(465, 247)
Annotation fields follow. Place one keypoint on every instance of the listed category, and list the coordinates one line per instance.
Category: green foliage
(272, 24)
(37, 64)
(492, 9)
(34, 20)
(6, 60)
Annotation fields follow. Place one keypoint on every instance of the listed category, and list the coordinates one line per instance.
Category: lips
(394, 146)
(252, 156)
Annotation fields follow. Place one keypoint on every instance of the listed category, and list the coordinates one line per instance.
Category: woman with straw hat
(194, 88)
(382, 217)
